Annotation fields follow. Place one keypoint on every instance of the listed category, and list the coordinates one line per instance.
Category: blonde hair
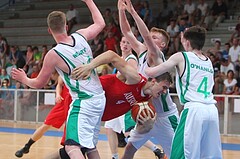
(56, 21)
(166, 37)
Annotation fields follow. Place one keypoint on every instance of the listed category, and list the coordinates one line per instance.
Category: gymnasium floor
(14, 135)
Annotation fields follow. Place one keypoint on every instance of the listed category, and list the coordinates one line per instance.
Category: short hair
(196, 35)
(165, 76)
(166, 37)
(56, 21)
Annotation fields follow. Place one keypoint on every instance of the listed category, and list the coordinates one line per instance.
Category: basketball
(138, 109)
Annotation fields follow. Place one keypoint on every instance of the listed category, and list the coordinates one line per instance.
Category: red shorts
(58, 114)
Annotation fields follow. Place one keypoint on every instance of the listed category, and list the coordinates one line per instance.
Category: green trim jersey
(164, 103)
(131, 56)
(196, 82)
(74, 55)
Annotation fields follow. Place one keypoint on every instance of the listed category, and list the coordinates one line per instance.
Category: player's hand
(19, 75)
(59, 99)
(129, 6)
(145, 122)
(81, 72)
(121, 5)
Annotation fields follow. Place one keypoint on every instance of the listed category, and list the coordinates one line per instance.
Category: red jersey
(120, 96)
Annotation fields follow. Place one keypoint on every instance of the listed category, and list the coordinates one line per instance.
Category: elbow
(102, 25)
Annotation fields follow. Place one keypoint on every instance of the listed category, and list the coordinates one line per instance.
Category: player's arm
(98, 22)
(137, 46)
(59, 87)
(84, 71)
(45, 73)
(153, 50)
(175, 60)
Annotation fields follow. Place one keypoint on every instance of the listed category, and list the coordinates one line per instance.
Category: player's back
(74, 55)
(196, 82)
(120, 96)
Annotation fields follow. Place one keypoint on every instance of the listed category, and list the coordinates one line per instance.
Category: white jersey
(74, 55)
(131, 56)
(196, 82)
(164, 103)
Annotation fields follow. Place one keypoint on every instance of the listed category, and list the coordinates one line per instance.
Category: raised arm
(151, 46)
(137, 46)
(98, 22)
(84, 71)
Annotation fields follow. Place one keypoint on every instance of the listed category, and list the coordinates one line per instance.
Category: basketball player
(125, 122)
(86, 109)
(55, 118)
(150, 54)
(195, 82)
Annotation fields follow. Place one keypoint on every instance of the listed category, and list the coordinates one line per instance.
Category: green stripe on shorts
(177, 151)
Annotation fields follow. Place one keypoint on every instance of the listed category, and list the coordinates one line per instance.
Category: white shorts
(116, 124)
(197, 135)
(84, 120)
(162, 131)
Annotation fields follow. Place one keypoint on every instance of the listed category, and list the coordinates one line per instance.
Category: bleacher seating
(25, 23)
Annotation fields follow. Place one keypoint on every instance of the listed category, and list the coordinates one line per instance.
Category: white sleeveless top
(163, 104)
(196, 82)
(74, 55)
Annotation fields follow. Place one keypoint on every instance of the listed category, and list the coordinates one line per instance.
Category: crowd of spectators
(174, 17)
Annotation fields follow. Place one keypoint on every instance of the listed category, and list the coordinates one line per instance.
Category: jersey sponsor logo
(120, 102)
(78, 53)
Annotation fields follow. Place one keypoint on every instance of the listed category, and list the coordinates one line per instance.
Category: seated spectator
(37, 55)
(52, 83)
(216, 65)
(72, 17)
(97, 46)
(225, 52)
(111, 27)
(217, 14)
(202, 11)
(226, 65)
(44, 52)
(216, 50)
(234, 54)
(16, 57)
(35, 71)
(189, 11)
(165, 14)
(173, 31)
(110, 43)
(146, 13)
(4, 75)
(229, 83)
(108, 17)
(236, 33)
(3, 51)
(237, 88)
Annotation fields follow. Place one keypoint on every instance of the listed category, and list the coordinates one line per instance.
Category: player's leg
(36, 136)
(129, 151)
(113, 142)
(159, 153)
(113, 127)
(74, 152)
(211, 142)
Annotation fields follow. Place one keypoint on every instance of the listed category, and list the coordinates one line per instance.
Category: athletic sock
(154, 147)
(29, 144)
(115, 156)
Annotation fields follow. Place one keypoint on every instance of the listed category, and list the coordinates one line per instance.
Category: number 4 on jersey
(203, 87)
